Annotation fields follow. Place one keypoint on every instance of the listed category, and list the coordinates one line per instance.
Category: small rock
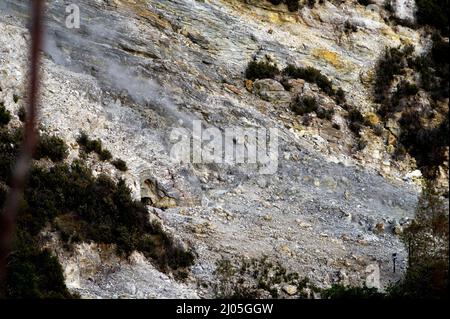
(271, 91)
(379, 228)
(347, 194)
(290, 289)
(249, 85)
(397, 230)
(303, 224)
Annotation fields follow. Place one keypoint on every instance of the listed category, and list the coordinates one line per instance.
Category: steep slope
(137, 69)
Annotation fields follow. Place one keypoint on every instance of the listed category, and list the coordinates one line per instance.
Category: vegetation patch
(261, 70)
(313, 75)
(83, 208)
(5, 115)
(427, 242)
(51, 147)
(88, 145)
(304, 105)
(255, 278)
(417, 101)
(121, 165)
(433, 13)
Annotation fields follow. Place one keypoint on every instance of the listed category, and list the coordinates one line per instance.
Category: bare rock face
(271, 91)
(95, 271)
(404, 9)
(138, 71)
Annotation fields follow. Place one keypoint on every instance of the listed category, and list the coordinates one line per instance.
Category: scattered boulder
(290, 289)
(397, 230)
(271, 91)
(379, 228)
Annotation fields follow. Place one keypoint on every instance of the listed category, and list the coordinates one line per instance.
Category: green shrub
(426, 144)
(105, 155)
(323, 113)
(393, 63)
(343, 292)
(83, 139)
(5, 115)
(9, 146)
(304, 105)
(95, 146)
(69, 199)
(33, 273)
(361, 144)
(247, 278)
(426, 240)
(433, 13)
(349, 27)
(89, 145)
(51, 147)
(292, 5)
(392, 105)
(22, 114)
(120, 164)
(356, 120)
(261, 70)
(311, 75)
(340, 96)
(364, 2)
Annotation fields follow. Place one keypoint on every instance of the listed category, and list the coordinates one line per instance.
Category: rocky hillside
(136, 70)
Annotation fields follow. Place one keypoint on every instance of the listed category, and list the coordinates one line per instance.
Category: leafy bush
(22, 114)
(82, 207)
(120, 164)
(311, 75)
(248, 278)
(293, 5)
(105, 155)
(356, 120)
(364, 2)
(89, 145)
(95, 146)
(427, 241)
(323, 113)
(349, 27)
(340, 96)
(433, 13)
(108, 212)
(392, 63)
(304, 105)
(427, 145)
(51, 147)
(261, 70)
(5, 115)
(419, 135)
(343, 292)
(9, 145)
(34, 273)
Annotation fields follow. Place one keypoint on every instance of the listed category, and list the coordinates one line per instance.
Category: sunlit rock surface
(135, 70)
